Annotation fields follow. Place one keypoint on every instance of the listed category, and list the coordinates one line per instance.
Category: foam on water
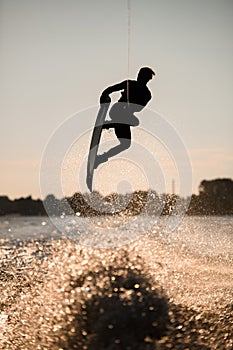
(59, 294)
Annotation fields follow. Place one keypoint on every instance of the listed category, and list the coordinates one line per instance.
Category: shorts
(122, 131)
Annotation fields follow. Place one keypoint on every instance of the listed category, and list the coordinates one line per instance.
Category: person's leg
(123, 134)
(121, 120)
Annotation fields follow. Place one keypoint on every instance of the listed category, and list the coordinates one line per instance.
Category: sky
(56, 57)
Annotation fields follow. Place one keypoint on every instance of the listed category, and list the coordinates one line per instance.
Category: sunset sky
(56, 56)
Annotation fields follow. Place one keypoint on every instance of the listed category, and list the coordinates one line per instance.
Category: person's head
(145, 74)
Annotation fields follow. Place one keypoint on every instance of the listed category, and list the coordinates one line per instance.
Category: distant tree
(5, 205)
(217, 196)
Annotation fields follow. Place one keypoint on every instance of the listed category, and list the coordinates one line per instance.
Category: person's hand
(104, 98)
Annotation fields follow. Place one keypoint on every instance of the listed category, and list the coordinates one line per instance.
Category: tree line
(215, 198)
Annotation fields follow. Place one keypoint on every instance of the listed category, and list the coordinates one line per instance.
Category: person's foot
(102, 158)
(106, 125)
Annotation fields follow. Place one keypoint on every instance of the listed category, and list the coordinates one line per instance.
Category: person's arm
(105, 98)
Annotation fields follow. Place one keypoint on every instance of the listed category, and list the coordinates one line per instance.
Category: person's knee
(125, 143)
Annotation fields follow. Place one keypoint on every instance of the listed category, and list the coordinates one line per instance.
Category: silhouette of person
(134, 97)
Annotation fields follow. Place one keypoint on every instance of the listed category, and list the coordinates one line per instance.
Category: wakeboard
(94, 145)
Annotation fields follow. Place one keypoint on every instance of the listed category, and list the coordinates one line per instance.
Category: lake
(115, 273)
